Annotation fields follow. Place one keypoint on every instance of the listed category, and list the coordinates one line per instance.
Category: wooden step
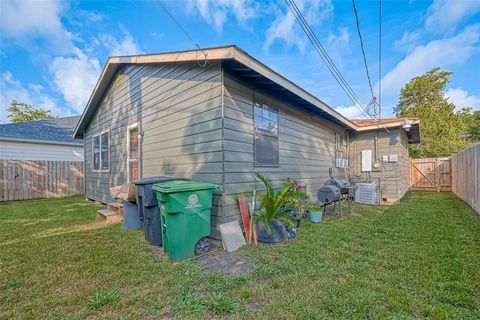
(109, 216)
(116, 207)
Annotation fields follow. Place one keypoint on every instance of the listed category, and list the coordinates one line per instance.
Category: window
(133, 152)
(101, 152)
(266, 135)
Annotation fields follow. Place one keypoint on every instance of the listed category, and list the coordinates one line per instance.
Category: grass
(418, 259)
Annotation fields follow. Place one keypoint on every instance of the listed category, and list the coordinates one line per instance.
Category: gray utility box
(148, 209)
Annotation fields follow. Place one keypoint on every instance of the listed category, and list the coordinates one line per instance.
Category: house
(385, 143)
(41, 140)
(215, 115)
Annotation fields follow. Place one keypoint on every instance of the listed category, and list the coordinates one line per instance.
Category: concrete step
(109, 216)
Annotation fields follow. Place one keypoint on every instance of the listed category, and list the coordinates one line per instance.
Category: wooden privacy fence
(431, 174)
(24, 179)
(466, 176)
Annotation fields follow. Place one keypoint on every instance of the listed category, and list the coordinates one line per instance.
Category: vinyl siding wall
(183, 133)
(14, 150)
(178, 108)
(393, 177)
(306, 145)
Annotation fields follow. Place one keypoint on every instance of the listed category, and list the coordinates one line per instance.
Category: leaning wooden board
(242, 202)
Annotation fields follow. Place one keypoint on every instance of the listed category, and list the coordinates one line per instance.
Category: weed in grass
(245, 294)
(102, 299)
(275, 284)
(220, 304)
(9, 285)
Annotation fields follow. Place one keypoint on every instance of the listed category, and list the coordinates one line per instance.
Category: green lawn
(418, 259)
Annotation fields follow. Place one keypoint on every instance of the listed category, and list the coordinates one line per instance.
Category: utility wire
(379, 59)
(164, 7)
(323, 53)
(326, 58)
(363, 48)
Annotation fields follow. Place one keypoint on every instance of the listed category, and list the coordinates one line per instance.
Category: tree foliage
(444, 130)
(22, 112)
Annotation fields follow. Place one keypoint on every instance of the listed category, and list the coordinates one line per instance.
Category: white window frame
(271, 165)
(100, 148)
(132, 126)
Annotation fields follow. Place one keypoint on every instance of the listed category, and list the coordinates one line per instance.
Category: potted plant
(315, 213)
(271, 217)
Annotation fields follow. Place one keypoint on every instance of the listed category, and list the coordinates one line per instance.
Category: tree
(473, 125)
(443, 130)
(22, 112)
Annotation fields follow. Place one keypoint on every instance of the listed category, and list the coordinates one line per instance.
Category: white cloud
(285, 28)
(461, 99)
(445, 14)
(343, 37)
(23, 20)
(350, 112)
(216, 12)
(126, 46)
(409, 40)
(12, 89)
(75, 77)
(441, 53)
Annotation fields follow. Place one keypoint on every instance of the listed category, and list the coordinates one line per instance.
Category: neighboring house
(219, 121)
(387, 143)
(41, 140)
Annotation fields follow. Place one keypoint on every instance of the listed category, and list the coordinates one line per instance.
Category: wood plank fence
(466, 176)
(22, 180)
(431, 174)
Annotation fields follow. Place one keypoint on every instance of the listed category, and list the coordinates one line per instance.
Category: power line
(326, 58)
(380, 58)
(362, 47)
(183, 30)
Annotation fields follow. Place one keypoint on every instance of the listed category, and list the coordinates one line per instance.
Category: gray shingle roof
(58, 130)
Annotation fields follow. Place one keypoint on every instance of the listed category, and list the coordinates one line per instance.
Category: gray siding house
(218, 119)
(49, 140)
(388, 140)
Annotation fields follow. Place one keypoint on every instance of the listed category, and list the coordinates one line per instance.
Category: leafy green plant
(101, 299)
(275, 204)
(313, 207)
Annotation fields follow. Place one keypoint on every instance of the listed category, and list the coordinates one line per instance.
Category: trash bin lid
(157, 179)
(181, 186)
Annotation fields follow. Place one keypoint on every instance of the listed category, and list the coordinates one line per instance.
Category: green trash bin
(185, 208)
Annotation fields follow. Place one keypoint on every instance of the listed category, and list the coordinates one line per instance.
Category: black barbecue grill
(336, 190)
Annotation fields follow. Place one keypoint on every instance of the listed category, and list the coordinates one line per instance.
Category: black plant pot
(277, 232)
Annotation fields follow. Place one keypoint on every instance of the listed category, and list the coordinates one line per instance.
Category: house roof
(56, 131)
(234, 60)
(413, 132)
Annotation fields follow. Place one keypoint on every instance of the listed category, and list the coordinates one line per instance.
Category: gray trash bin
(131, 217)
(148, 210)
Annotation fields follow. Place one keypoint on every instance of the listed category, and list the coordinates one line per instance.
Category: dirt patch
(256, 306)
(221, 261)
(157, 252)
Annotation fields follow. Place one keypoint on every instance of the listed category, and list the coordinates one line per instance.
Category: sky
(52, 52)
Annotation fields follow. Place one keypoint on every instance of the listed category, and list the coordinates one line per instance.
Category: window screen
(105, 158)
(266, 135)
(101, 152)
(133, 152)
(96, 153)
